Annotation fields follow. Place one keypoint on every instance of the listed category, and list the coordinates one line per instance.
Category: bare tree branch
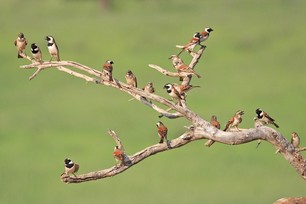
(200, 128)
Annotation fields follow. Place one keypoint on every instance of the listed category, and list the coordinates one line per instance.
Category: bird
(70, 167)
(53, 48)
(205, 34)
(180, 66)
(193, 42)
(264, 117)
(295, 140)
(162, 131)
(173, 92)
(234, 121)
(184, 88)
(118, 154)
(108, 69)
(214, 122)
(149, 88)
(20, 43)
(131, 79)
(36, 52)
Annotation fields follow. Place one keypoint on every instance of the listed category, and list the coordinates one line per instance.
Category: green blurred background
(255, 57)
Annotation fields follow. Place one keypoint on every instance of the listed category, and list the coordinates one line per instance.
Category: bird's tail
(161, 140)
(275, 125)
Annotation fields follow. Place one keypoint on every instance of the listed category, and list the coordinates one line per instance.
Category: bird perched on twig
(184, 88)
(180, 66)
(189, 47)
(162, 131)
(214, 122)
(20, 43)
(36, 52)
(52, 48)
(264, 118)
(108, 69)
(295, 140)
(205, 34)
(118, 154)
(70, 167)
(234, 121)
(149, 88)
(174, 93)
(131, 79)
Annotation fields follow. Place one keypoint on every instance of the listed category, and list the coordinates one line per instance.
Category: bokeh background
(255, 57)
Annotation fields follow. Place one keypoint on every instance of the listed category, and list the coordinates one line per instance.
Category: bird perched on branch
(36, 52)
(53, 48)
(295, 140)
(264, 118)
(234, 121)
(149, 88)
(131, 79)
(193, 42)
(174, 93)
(180, 66)
(70, 167)
(214, 122)
(205, 34)
(108, 69)
(162, 131)
(184, 88)
(20, 43)
(118, 154)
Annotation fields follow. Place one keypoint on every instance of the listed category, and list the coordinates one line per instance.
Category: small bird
(234, 121)
(205, 34)
(214, 122)
(265, 118)
(295, 140)
(173, 92)
(108, 69)
(162, 131)
(149, 88)
(70, 167)
(184, 88)
(53, 48)
(131, 79)
(20, 43)
(118, 154)
(193, 42)
(180, 66)
(36, 52)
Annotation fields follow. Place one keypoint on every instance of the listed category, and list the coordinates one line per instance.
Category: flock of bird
(175, 91)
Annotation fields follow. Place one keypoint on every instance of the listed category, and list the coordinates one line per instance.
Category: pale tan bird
(295, 140)
(180, 66)
(20, 43)
(131, 79)
(149, 88)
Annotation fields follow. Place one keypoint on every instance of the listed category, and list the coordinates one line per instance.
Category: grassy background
(255, 58)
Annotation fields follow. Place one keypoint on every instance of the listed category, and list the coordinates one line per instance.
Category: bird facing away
(108, 69)
(173, 93)
(295, 140)
(234, 121)
(265, 118)
(36, 53)
(20, 43)
(118, 154)
(193, 42)
(131, 79)
(162, 131)
(149, 88)
(184, 88)
(205, 34)
(52, 48)
(180, 66)
(70, 167)
(214, 122)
